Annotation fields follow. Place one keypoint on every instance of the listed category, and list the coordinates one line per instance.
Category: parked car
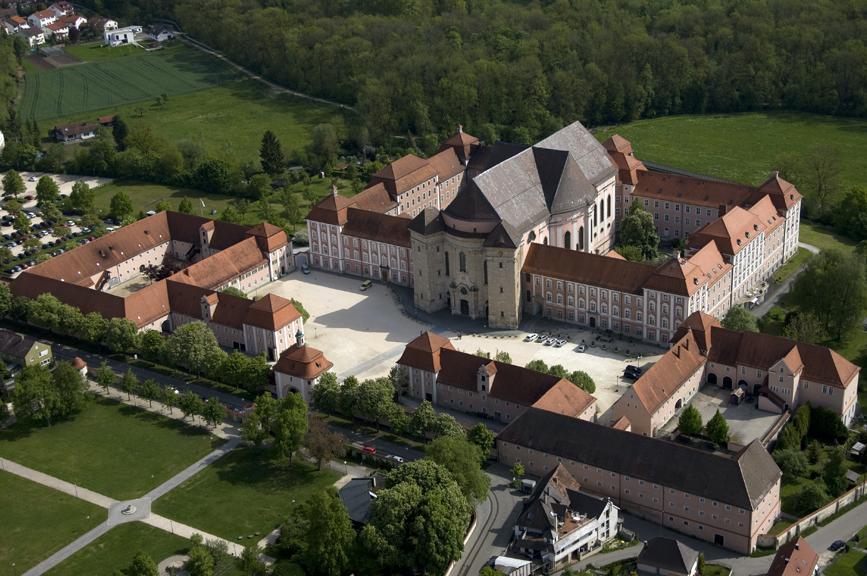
(580, 348)
(550, 341)
(559, 343)
(305, 268)
(837, 545)
(32, 179)
(398, 459)
(366, 284)
(368, 449)
(541, 338)
(633, 368)
(530, 337)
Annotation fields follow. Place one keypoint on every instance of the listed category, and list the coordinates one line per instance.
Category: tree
(804, 327)
(292, 207)
(637, 229)
(740, 319)
(121, 206)
(13, 185)
(142, 565)
(322, 443)
(462, 459)
(249, 563)
(213, 411)
(718, 429)
(200, 560)
(851, 216)
(423, 419)
(503, 356)
(834, 288)
(35, 397)
(289, 426)
(185, 206)
(826, 426)
(194, 346)
(834, 473)
(150, 391)
(232, 291)
(47, 191)
(811, 496)
(583, 380)
(418, 522)
(789, 439)
(119, 130)
(481, 436)
(538, 366)
(792, 462)
(190, 404)
(105, 376)
(129, 383)
(21, 224)
(372, 400)
(518, 470)
(631, 253)
(70, 388)
(325, 394)
(690, 421)
(329, 537)
(271, 154)
(324, 145)
(169, 398)
(82, 198)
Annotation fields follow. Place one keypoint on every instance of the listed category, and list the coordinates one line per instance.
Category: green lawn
(825, 238)
(792, 265)
(110, 448)
(851, 563)
(37, 522)
(98, 52)
(145, 196)
(243, 495)
(744, 147)
(73, 90)
(116, 548)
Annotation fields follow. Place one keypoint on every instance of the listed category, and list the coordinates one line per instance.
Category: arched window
(531, 237)
(581, 238)
(462, 262)
(567, 241)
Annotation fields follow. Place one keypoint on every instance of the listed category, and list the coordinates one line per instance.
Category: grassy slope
(242, 495)
(145, 196)
(116, 549)
(113, 449)
(744, 147)
(38, 521)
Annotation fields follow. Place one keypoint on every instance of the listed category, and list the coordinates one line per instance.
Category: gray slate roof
(15, 345)
(740, 480)
(668, 554)
(356, 497)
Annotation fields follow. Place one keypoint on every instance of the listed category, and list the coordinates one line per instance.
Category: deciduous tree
(35, 397)
(637, 229)
(121, 206)
(129, 383)
(47, 191)
(462, 459)
(739, 318)
(481, 436)
(213, 411)
(834, 288)
(583, 380)
(329, 537)
(194, 346)
(804, 327)
(142, 565)
(13, 185)
(190, 404)
(322, 443)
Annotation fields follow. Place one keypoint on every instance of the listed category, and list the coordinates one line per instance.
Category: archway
(593, 322)
(711, 378)
(743, 384)
(679, 404)
(465, 307)
(727, 383)
(567, 241)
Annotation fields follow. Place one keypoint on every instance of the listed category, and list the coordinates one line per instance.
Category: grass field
(851, 563)
(38, 521)
(825, 238)
(113, 449)
(243, 495)
(145, 196)
(744, 147)
(99, 52)
(63, 92)
(116, 548)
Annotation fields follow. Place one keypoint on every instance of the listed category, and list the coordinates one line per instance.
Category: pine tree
(718, 429)
(271, 154)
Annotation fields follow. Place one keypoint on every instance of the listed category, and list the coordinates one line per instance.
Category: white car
(550, 341)
(541, 338)
(580, 348)
(559, 343)
(530, 337)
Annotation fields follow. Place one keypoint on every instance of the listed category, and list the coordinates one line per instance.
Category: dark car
(837, 545)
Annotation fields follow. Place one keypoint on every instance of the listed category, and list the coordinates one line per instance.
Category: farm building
(75, 131)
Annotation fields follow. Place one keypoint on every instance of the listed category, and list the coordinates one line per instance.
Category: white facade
(121, 36)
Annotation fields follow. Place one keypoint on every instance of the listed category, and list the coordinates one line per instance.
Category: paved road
(495, 517)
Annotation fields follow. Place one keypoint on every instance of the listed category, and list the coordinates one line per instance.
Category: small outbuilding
(668, 557)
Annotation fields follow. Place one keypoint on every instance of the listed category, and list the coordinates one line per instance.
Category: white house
(560, 521)
(62, 9)
(299, 369)
(32, 36)
(14, 24)
(42, 18)
(121, 36)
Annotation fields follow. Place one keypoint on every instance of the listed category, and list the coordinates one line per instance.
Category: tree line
(516, 70)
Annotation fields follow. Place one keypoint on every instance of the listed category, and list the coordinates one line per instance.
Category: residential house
(456, 380)
(120, 36)
(667, 557)
(795, 558)
(58, 31)
(725, 498)
(33, 36)
(15, 24)
(161, 33)
(62, 9)
(75, 131)
(24, 350)
(559, 522)
(299, 369)
(42, 18)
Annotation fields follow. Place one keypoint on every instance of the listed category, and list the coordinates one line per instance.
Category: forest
(511, 69)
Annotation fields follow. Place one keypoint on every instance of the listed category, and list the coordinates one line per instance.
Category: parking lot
(362, 332)
(605, 366)
(746, 422)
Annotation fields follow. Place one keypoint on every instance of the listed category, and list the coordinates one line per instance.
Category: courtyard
(746, 422)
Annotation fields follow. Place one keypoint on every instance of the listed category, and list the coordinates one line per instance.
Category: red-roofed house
(299, 369)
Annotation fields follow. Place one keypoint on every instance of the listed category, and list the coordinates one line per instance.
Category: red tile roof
(219, 268)
(271, 312)
(424, 352)
(731, 232)
(592, 269)
(691, 190)
(794, 558)
(671, 371)
(303, 362)
(377, 227)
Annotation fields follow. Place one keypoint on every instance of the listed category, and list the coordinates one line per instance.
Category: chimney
(460, 128)
(797, 545)
(334, 189)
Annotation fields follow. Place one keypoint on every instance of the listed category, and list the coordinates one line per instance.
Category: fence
(815, 518)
